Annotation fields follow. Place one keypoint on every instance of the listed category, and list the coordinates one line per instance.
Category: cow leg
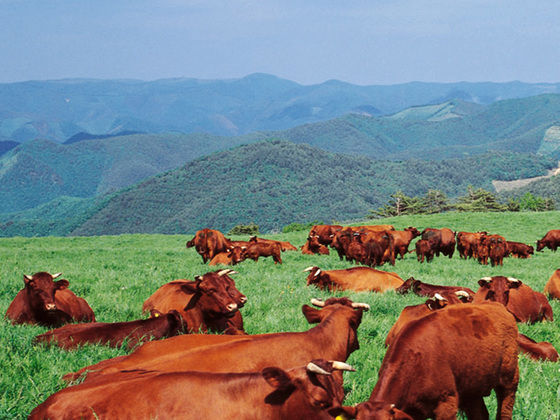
(506, 400)
(447, 409)
(475, 409)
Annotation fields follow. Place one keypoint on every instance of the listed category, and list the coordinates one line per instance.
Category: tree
(435, 201)
(399, 204)
(479, 200)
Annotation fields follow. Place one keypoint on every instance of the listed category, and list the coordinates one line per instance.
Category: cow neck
(335, 334)
(193, 316)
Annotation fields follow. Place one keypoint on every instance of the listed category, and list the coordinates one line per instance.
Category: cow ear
(154, 313)
(312, 315)
(61, 284)
(277, 378)
(190, 287)
(484, 283)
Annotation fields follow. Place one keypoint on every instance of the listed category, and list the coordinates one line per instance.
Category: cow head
(540, 245)
(317, 277)
(415, 232)
(374, 410)
(236, 255)
(41, 289)
(318, 391)
(213, 294)
(496, 289)
(406, 287)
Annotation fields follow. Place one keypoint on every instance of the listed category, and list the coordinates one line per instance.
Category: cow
(359, 279)
(430, 290)
(542, 351)
(552, 287)
(44, 301)
(380, 247)
(305, 392)
(449, 360)
(493, 247)
(356, 251)
(210, 302)
(376, 411)
(284, 245)
(324, 233)
(523, 302)
(410, 313)
(425, 250)
(402, 239)
(335, 338)
(115, 334)
(442, 240)
(468, 243)
(550, 240)
(231, 257)
(520, 250)
(256, 250)
(208, 243)
(341, 241)
(312, 246)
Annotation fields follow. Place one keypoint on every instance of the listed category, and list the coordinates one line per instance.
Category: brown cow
(341, 240)
(542, 351)
(442, 240)
(523, 302)
(231, 257)
(380, 247)
(410, 313)
(312, 246)
(468, 243)
(449, 360)
(520, 250)
(335, 338)
(308, 392)
(425, 250)
(46, 302)
(208, 243)
(550, 240)
(211, 302)
(430, 290)
(356, 250)
(402, 239)
(324, 233)
(256, 250)
(284, 245)
(115, 334)
(376, 411)
(552, 287)
(359, 279)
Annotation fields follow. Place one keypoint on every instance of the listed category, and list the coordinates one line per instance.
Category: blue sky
(365, 42)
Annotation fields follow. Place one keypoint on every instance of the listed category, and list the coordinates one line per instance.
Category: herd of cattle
(470, 338)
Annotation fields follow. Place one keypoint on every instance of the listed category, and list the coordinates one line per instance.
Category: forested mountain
(272, 184)
(57, 110)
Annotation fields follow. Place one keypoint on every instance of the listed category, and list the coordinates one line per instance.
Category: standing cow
(47, 302)
(550, 240)
(441, 240)
(208, 243)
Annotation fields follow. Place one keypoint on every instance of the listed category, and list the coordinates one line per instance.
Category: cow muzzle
(232, 307)
(50, 307)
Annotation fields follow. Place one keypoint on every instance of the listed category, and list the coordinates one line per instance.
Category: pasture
(115, 274)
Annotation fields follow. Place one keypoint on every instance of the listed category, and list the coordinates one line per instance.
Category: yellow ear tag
(341, 417)
(156, 314)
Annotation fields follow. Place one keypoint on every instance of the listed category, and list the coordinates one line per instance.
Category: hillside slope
(275, 183)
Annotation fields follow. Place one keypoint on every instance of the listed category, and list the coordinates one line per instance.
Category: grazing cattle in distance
(493, 247)
(256, 250)
(468, 243)
(47, 302)
(359, 279)
(341, 241)
(449, 360)
(441, 240)
(542, 351)
(410, 313)
(430, 290)
(550, 240)
(231, 257)
(305, 392)
(324, 233)
(335, 338)
(402, 239)
(523, 302)
(210, 302)
(552, 287)
(208, 243)
(115, 334)
(520, 250)
(284, 245)
(313, 246)
(376, 411)
(356, 251)
(380, 247)
(424, 250)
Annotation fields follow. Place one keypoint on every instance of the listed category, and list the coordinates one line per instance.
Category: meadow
(115, 274)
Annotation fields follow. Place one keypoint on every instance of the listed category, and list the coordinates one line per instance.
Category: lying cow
(542, 351)
(335, 338)
(430, 290)
(520, 250)
(359, 279)
(312, 246)
(210, 302)
(115, 334)
(552, 287)
(284, 245)
(308, 392)
(376, 411)
(47, 302)
(523, 302)
(230, 257)
(450, 360)
(550, 240)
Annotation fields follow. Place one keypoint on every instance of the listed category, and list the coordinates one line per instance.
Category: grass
(117, 273)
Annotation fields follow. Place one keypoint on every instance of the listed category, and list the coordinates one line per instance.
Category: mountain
(58, 110)
(272, 184)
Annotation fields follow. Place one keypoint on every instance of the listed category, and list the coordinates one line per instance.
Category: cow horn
(312, 367)
(462, 293)
(363, 306)
(318, 303)
(308, 269)
(54, 276)
(342, 366)
(486, 278)
(223, 272)
(439, 297)
(28, 277)
(230, 271)
(198, 278)
(513, 279)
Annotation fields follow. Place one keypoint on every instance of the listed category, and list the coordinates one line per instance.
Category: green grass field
(115, 274)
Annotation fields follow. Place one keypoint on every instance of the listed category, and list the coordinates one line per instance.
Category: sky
(364, 42)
